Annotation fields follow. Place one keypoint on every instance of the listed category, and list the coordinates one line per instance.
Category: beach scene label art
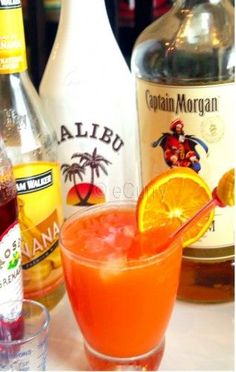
(85, 193)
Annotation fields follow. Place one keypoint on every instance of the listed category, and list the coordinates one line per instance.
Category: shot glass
(23, 336)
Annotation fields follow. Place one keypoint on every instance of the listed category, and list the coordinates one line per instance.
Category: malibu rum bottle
(31, 146)
(184, 70)
(89, 96)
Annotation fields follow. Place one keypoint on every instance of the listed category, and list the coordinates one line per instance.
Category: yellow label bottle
(40, 226)
(12, 41)
(32, 147)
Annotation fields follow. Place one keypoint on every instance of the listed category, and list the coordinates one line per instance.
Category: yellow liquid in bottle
(40, 218)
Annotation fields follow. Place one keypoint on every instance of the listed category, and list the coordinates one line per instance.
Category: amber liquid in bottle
(190, 48)
(206, 282)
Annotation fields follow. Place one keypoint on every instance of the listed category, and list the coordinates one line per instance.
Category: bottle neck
(12, 39)
(84, 15)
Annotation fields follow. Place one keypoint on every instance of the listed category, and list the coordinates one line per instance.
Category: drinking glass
(23, 336)
(121, 284)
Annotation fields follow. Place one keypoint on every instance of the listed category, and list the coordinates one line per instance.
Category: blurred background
(127, 17)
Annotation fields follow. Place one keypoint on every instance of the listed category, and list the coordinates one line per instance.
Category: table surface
(199, 338)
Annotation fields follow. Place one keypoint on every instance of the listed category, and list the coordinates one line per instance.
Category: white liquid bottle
(88, 93)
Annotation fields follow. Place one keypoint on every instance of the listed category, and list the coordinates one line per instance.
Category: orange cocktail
(121, 284)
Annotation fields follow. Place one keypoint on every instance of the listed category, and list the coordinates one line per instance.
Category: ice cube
(110, 239)
(113, 267)
(128, 231)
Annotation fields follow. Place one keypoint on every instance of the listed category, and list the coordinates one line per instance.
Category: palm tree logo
(85, 191)
(70, 171)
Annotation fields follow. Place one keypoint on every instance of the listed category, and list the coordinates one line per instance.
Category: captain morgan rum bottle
(184, 69)
(88, 94)
(31, 146)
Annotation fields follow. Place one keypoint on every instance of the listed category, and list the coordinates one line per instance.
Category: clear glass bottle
(32, 148)
(184, 69)
(11, 284)
(88, 94)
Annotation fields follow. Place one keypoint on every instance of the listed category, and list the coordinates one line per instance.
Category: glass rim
(133, 263)
(40, 330)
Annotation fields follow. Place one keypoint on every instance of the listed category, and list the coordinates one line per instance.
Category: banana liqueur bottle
(183, 65)
(32, 148)
(88, 93)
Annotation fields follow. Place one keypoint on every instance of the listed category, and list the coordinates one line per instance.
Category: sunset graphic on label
(82, 193)
(81, 190)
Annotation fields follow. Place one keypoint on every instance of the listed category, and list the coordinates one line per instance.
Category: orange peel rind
(225, 188)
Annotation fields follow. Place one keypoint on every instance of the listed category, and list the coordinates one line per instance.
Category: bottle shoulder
(197, 45)
(192, 24)
(68, 66)
(27, 134)
(91, 55)
(17, 89)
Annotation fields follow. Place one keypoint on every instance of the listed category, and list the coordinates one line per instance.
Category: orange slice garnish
(171, 199)
(225, 188)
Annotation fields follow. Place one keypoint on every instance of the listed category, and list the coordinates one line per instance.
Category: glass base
(146, 362)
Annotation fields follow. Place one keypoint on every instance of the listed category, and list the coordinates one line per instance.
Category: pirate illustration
(179, 148)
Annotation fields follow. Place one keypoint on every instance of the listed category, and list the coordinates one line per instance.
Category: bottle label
(102, 170)
(12, 38)
(11, 286)
(40, 217)
(191, 127)
(98, 149)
